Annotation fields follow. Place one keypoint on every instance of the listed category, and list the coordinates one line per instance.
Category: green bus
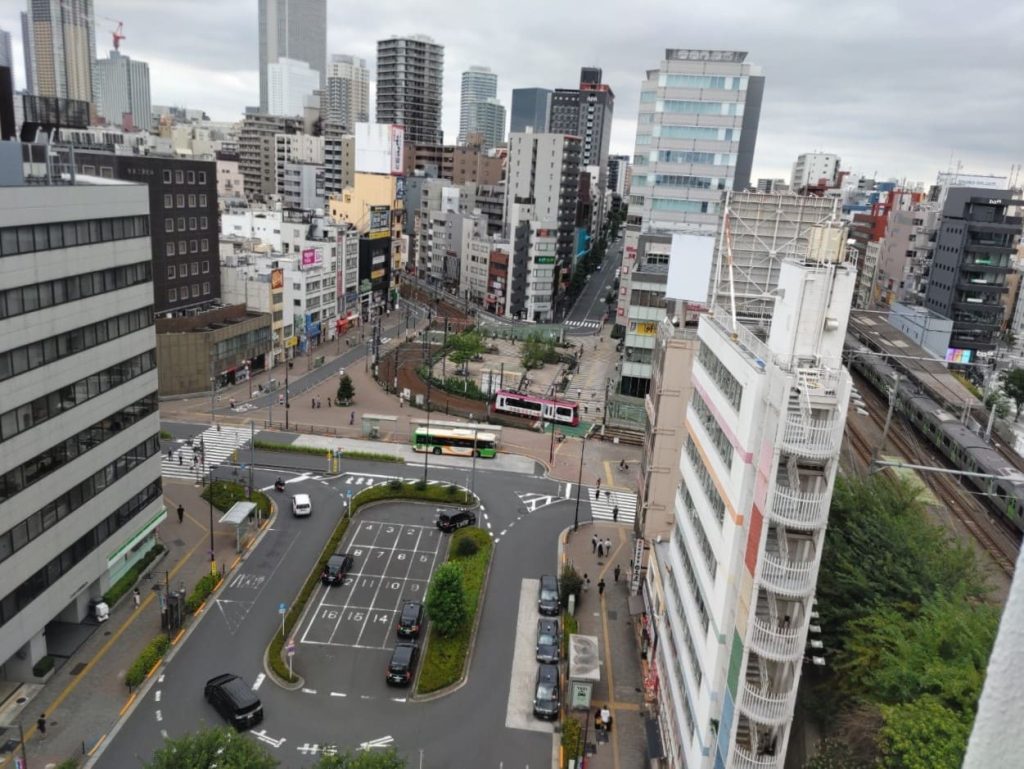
(456, 441)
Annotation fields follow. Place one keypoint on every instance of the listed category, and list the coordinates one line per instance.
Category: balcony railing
(809, 437)
(790, 578)
(766, 708)
(780, 644)
(744, 759)
(801, 509)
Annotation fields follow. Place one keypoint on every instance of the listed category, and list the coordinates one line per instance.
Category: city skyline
(841, 94)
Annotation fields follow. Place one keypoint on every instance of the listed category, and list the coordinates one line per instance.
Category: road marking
(365, 697)
(503, 531)
(338, 694)
(568, 490)
(380, 742)
(399, 699)
(157, 695)
(159, 716)
(161, 678)
(163, 733)
(258, 682)
(263, 737)
(308, 691)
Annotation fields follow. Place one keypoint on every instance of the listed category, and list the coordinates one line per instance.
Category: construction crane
(118, 34)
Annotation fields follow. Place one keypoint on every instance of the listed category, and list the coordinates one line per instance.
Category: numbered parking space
(392, 563)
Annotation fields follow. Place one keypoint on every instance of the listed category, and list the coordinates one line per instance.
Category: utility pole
(252, 455)
(287, 395)
(444, 349)
(893, 395)
(579, 486)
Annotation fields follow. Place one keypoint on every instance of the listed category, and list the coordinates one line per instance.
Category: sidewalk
(86, 695)
(608, 618)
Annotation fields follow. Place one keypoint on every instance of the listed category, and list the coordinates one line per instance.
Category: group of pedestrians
(602, 547)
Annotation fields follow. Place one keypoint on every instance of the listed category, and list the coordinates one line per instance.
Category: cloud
(893, 88)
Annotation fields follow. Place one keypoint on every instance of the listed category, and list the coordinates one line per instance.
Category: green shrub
(313, 451)
(44, 666)
(570, 626)
(166, 436)
(68, 763)
(446, 600)
(130, 577)
(452, 489)
(395, 484)
(571, 731)
(569, 583)
(421, 485)
(201, 592)
(152, 654)
(226, 493)
(466, 547)
(446, 657)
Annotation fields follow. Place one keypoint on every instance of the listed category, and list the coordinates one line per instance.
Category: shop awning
(655, 748)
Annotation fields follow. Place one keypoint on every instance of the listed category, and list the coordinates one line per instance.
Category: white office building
(289, 83)
(814, 168)
(80, 488)
(730, 593)
(121, 85)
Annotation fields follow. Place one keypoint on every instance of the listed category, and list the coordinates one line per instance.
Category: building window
(172, 295)
(179, 177)
(195, 268)
(707, 483)
(194, 247)
(168, 225)
(181, 224)
(168, 201)
(204, 222)
(191, 201)
(192, 223)
(721, 376)
(169, 248)
(202, 180)
(39, 296)
(182, 247)
(204, 245)
(206, 268)
(171, 272)
(167, 176)
(202, 201)
(206, 289)
(181, 201)
(191, 177)
(711, 427)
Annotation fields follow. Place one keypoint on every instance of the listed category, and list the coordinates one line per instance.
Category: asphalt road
(345, 701)
(590, 303)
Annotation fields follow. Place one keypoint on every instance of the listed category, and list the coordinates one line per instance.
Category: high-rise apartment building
(587, 112)
(6, 57)
(815, 169)
(541, 197)
(697, 126)
(291, 29)
(59, 37)
(731, 590)
(976, 237)
(487, 119)
(122, 92)
(618, 166)
(80, 487)
(478, 85)
(256, 151)
(290, 83)
(346, 92)
(530, 108)
(410, 80)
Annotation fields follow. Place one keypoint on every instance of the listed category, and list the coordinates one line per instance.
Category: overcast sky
(902, 88)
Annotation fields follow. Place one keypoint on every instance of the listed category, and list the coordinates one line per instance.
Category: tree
(466, 346)
(446, 599)
(570, 583)
(225, 748)
(1013, 386)
(923, 734)
(536, 351)
(998, 402)
(367, 759)
(346, 392)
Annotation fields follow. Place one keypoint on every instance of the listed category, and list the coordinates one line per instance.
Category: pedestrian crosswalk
(603, 508)
(208, 449)
(583, 323)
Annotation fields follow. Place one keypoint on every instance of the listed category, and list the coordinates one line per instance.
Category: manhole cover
(612, 614)
(77, 669)
(21, 700)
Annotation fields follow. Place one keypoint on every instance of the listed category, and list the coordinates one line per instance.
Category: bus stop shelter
(377, 426)
(243, 516)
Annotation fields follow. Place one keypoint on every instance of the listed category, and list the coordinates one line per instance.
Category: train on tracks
(966, 450)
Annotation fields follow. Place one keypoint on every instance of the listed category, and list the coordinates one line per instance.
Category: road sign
(290, 647)
(282, 608)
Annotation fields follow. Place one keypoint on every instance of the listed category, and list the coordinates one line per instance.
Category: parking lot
(392, 564)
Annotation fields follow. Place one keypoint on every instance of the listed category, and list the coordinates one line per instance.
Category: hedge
(376, 493)
(44, 666)
(226, 493)
(152, 654)
(130, 577)
(445, 659)
(372, 456)
(569, 627)
(571, 731)
(201, 592)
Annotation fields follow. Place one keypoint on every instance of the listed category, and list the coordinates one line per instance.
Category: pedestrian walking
(586, 583)
(136, 597)
(599, 482)
(593, 544)
(608, 547)
(312, 404)
(597, 493)
(318, 401)
(622, 464)
(41, 724)
(618, 570)
(329, 401)
(615, 514)
(181, 513)
(600, 587)
(179, 459)
(607, 494)
(352, 418)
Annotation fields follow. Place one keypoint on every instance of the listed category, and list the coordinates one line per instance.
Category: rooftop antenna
(732, 285)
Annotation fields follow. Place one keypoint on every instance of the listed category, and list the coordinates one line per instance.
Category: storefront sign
(638, 559)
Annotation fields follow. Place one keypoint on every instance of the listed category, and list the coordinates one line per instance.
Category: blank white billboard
(379, 148)
(689, 267)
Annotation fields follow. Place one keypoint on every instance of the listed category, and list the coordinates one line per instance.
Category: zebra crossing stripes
(602, 508)
(583, 323)
(217, 446)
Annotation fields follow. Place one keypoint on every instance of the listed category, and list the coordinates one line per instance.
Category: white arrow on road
(380, 742)
(262, 736)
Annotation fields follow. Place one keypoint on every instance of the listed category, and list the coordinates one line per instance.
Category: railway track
(1001, 546)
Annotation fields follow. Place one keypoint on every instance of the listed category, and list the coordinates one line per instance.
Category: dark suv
(449, 522)
(410, 620)
(402, 665)
(546, 702)
(235, 700)
(337, 566)
(547, 598)
(548, 641)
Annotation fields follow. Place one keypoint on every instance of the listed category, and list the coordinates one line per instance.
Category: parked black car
(410, 620)
(448, 522)
(402, 665)
(546, 700)
(337, 566)
(547, 598)
(548, 641)
(235, 700)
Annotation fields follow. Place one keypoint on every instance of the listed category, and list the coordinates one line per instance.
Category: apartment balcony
(744, 759)
(799, 509)
(787, 577)
(809, 437)
(776, 643)
(766, 708)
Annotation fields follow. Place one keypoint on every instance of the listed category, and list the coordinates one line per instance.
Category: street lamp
(579, 486)
(213, 554)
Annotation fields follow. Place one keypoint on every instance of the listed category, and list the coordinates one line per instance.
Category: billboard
(689, 267)
(311, 257)
(380, 219)
(379, 148)
(276, 279)
(956, 355)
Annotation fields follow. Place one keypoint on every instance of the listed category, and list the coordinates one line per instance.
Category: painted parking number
(355, 616)
(329, 614)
